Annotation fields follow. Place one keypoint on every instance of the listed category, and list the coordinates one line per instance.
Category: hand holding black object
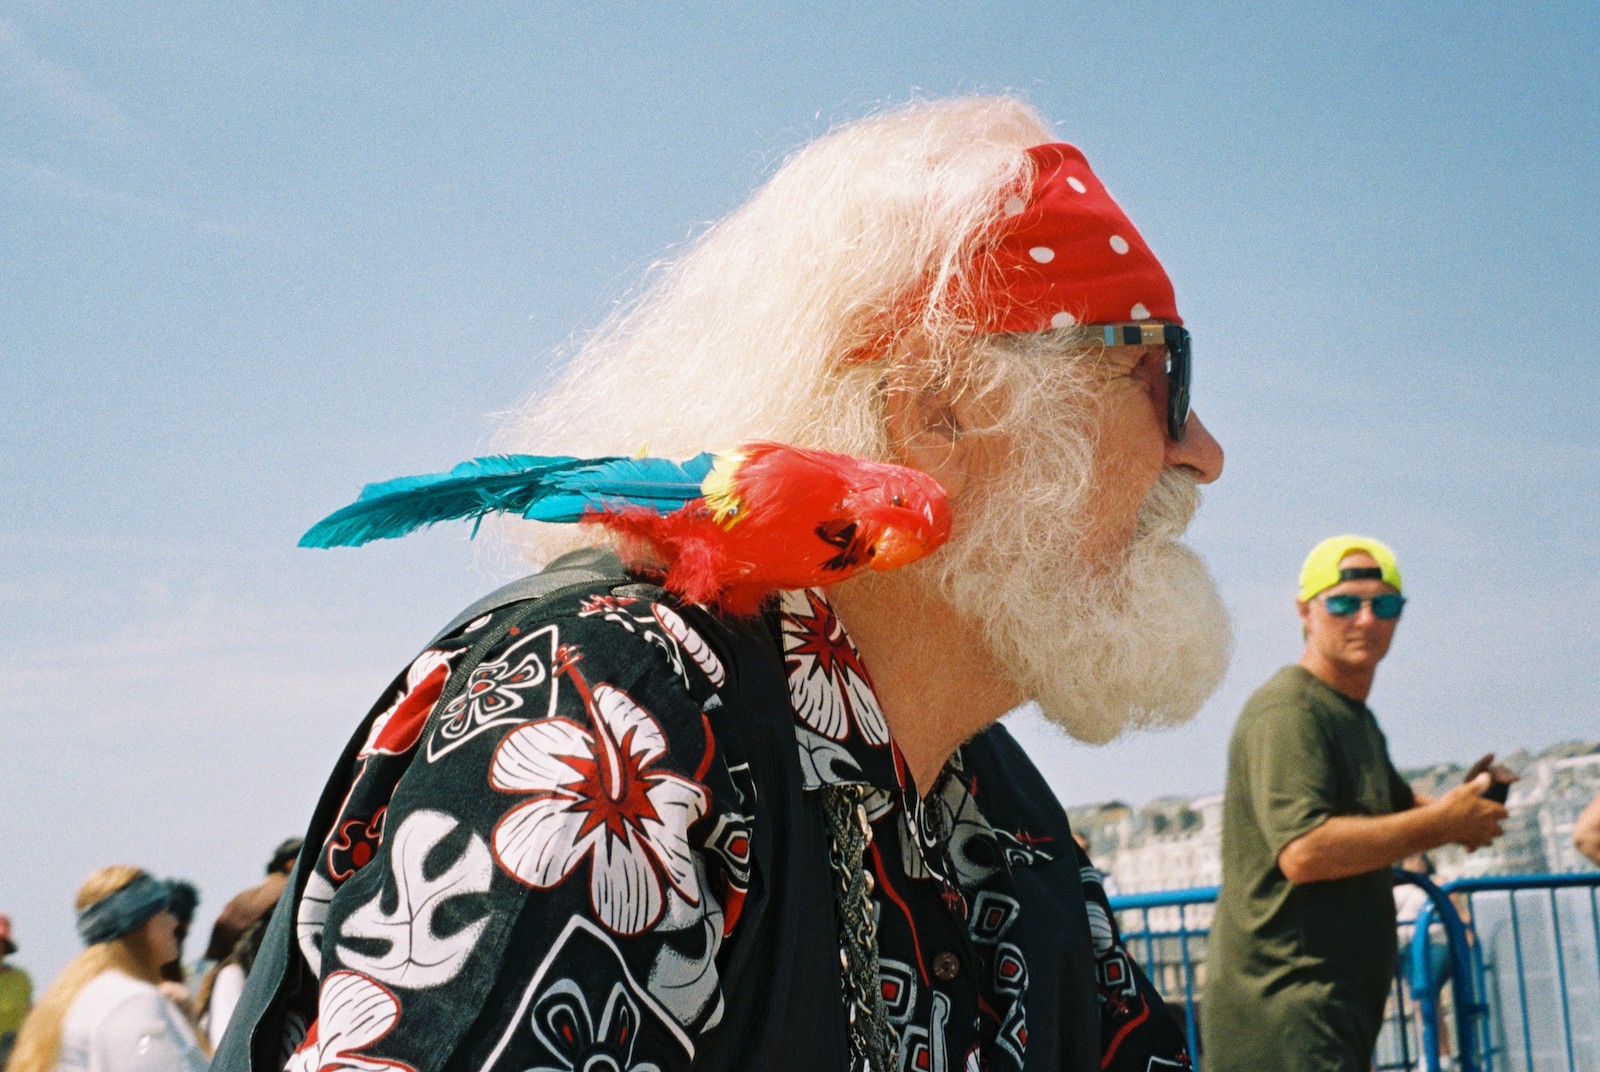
(1501, 777)
(1466, 816)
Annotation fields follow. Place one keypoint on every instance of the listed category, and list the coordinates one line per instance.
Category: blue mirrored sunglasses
(1387, 606)
(1176, 340)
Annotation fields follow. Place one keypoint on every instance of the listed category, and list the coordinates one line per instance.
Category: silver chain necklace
(872, 1041)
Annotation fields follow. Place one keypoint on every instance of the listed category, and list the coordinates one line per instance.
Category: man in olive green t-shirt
(16, 992)
(1302, 947)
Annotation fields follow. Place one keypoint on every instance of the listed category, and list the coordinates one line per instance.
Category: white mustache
(1168, 510)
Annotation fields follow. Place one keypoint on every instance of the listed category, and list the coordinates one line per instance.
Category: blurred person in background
(16, 992)
(105, 1011)
(174, 978)
(236, 937)
(1434, 977)
(255, 903)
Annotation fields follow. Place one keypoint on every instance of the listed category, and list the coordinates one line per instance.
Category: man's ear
(926, 432)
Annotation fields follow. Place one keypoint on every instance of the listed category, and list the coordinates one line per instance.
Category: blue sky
(253, 257)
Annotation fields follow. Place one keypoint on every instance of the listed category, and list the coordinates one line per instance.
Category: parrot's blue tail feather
(604, 483)
(542, 488)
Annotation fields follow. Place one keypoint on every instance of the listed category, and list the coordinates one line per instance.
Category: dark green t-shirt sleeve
(1291, 780)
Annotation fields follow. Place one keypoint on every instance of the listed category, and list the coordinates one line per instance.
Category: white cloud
(62, 89)
(63, 187)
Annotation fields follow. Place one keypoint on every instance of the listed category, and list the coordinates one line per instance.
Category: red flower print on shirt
(828, 683)
(353, 844)
(603, 795)
(397, 729)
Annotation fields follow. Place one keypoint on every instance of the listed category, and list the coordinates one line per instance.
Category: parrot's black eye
(897, 500)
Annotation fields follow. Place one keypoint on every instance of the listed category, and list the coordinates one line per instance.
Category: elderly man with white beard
(593, 825)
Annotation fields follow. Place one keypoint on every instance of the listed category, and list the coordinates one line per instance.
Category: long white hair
(747, 334)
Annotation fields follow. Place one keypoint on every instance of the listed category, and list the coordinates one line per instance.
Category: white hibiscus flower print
(600, 795)
(828, 683)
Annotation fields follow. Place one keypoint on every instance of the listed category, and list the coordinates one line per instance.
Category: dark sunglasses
(1387, 606)
(1176, 340)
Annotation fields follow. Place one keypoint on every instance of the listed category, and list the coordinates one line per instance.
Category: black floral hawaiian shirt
(584, 838)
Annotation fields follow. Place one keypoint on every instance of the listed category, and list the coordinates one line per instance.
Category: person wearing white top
(226, 990)
(104, 1013)
(121, 1024)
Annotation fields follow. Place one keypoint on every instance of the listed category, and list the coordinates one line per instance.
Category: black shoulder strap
(576, 567)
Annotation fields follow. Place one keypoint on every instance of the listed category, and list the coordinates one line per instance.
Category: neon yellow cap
(1321, 570)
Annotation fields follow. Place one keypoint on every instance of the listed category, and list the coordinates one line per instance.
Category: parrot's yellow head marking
(719, 491)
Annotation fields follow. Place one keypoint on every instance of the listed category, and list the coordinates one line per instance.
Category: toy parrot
(728, 528)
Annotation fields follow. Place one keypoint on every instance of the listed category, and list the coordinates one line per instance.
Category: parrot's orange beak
(907, 533)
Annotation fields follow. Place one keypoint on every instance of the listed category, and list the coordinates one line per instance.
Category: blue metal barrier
(1149, 943)
(1416, 968)
(1527, 983)
(1524, 979)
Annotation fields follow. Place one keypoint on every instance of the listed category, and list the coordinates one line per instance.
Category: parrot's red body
(775, 517)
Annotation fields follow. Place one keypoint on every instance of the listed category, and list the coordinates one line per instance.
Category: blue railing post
(1474, 1022)
(1476, 1049)
(1191, 1027)
(1427, 996)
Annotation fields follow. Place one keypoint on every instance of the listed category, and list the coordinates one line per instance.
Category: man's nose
(1197, 451)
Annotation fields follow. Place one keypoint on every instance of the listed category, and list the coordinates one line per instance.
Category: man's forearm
(1354, 844)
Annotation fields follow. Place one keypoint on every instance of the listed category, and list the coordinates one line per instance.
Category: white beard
(1141, 645)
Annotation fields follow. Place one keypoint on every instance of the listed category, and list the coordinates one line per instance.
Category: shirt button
(946, 966)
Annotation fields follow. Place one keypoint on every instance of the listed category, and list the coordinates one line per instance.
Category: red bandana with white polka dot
(1065, 253)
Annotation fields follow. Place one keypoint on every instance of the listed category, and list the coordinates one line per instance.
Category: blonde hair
(39, 1040)
(780, 321)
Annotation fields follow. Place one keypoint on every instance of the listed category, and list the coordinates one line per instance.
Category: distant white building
(1572, 783)
(1174, 844)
